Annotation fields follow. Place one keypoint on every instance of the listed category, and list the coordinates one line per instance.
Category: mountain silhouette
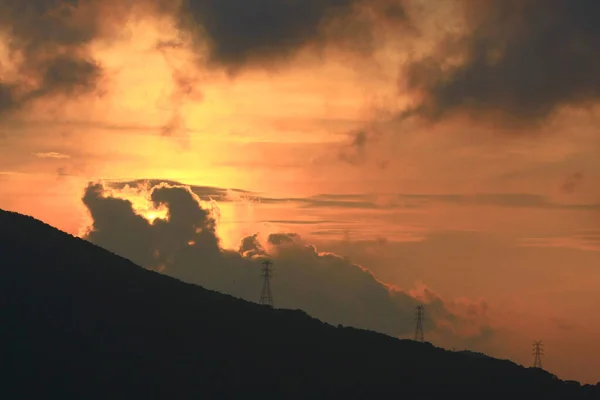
(78, 322)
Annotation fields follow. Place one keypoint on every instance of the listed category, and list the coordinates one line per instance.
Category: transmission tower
(538, 353)
(419, 335)
(266, 297)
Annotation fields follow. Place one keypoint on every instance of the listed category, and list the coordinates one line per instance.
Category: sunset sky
(449, 147)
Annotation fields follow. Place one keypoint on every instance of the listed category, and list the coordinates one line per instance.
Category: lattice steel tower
(266, 297)
(419, 335)
(538, 353)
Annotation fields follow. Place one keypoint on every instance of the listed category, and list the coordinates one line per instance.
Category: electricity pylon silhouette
(266, 297)
(538, 353)
(419, 335)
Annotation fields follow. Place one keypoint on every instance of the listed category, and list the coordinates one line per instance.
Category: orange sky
(287, 131)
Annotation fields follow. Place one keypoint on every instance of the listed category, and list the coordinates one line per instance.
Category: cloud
(355, 152)
(417, 200)
(377, 201)
(519, 60)
(587, 241)
(52, 154)
(237, 32)
(205, 193)
(47, 48)
(301, 222)
(184, 244)
(110, 216)
(474, 329)
(186, 87)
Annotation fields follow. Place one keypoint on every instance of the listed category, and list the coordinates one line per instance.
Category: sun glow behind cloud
(221, 123)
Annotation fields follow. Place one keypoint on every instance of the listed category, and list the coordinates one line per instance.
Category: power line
(420, 313)
(266, 297)
(538, 353)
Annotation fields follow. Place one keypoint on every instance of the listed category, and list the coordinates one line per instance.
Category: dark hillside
(79, 322)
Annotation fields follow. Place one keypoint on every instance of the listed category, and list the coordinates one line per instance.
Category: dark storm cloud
(523, 60)
(238, 30)
(241, 31)
(70, 74)
(47, 39)
(36, 24)
(186, 246)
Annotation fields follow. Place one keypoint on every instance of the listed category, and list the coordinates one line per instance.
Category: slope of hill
(79, 322)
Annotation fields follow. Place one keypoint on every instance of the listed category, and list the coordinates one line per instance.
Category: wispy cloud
(588, 241)
(53, 154)
(357, 235)
(379, 201)
(300, 222)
